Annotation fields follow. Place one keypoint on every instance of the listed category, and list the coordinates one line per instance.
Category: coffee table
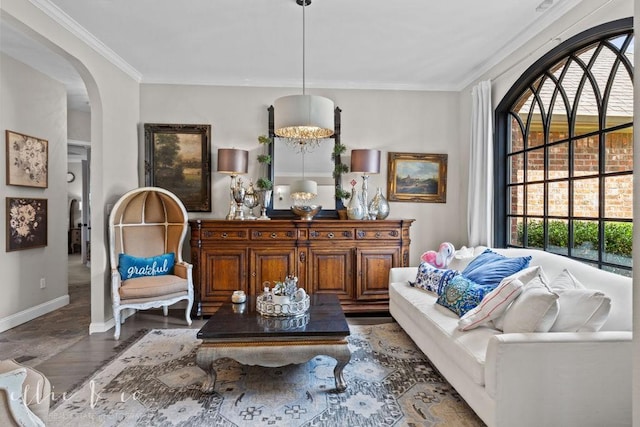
(239, 332)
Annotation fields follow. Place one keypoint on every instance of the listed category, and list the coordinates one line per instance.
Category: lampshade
(304, 189)
(304, 117)
(367, 161)
(233, 161)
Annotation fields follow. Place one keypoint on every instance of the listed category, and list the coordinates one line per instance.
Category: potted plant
(264, 183)
(340, 169)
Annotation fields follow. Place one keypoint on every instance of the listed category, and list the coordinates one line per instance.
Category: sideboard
(346, 257)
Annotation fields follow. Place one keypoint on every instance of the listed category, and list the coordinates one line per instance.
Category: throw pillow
(432, 279)
(461, 294)
(581, 309)
(131, 267)
(464, 256)
(535, 310)
(490, 267)
(496, 302)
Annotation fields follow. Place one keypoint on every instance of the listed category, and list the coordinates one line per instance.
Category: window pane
(559, 129)
(620, 100)
(618, 199)
(516, 200)
(558, 237)
(535, 233)
(618, 238)
(535, 165)
(619, 151)
(571, 80)
(516, 231)
(587, 53)
(559, 198)
(601, 68)
(559, 161)
(535, 199)
(536, 129)
(523, 106)
(585, 239)
(558, 68)
(546, 92)
(588, 113)
(585, 156)
(517, 140)
(516, 166)
(629, 52)
(585, 198)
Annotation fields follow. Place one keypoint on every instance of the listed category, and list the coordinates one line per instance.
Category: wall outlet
(43, 283)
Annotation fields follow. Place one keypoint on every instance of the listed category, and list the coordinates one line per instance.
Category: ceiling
(359, 44)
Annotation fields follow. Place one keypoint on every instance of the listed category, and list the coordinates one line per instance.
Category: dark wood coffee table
(239, 332)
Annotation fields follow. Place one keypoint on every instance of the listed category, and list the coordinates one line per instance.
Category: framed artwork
(177, 158)
(26, 223)
(27, 160)
(415, 177)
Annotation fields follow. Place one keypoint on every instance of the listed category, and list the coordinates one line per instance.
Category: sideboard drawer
(275, 234)
(331, 234)
(225, 234)
(378, 234)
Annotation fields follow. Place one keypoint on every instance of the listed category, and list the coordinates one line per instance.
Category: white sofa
(529, 379)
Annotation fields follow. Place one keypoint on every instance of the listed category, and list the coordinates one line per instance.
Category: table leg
(342, 359)
(206, 364)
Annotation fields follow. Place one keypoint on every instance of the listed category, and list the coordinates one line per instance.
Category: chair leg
(187, 313)
(165, 310)
(116, 318)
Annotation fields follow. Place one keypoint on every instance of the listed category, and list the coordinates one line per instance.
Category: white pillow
(581, 309)
(464, 256)
(496, 302)
(535, 310)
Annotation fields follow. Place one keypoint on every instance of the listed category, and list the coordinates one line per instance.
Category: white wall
(79, 125)
(396, 121)
(36, 105)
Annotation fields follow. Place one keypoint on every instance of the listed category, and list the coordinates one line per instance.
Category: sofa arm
(560, 378)
(403, 274)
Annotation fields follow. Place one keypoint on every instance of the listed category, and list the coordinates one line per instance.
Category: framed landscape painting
(26, 223)
(177, 158)
(27, 160)
(415, 177)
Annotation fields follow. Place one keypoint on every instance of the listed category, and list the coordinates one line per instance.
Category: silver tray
(280, 309)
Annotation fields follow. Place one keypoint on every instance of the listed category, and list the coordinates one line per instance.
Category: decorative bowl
(306, 212)
(283, 307)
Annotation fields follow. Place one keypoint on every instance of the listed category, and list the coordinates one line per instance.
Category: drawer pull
(378, 235)
(274, 235)
(330, 235)
(224, 235)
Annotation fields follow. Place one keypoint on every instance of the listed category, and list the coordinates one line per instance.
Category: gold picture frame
(177, 158)
(27, 160)
(416, 177)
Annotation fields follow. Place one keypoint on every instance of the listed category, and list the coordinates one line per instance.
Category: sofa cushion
(462, 294)
(152, 287)
(432, 279)
(131, 267)
(437, 326)
(535, 310)
(489, 268)
(495, 303)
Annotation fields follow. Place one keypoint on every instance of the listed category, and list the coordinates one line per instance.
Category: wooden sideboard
(348, 258)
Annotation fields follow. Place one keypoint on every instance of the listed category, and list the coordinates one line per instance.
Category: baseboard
(97, 328)
(33, 312)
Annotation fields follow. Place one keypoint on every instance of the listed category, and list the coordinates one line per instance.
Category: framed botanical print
(177, 158)
(26, 223)
(27, 160)
(415, 177)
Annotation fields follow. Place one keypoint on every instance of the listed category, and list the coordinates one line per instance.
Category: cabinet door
(331, 272)
(222, 272)
(373, 272)
(270, 265)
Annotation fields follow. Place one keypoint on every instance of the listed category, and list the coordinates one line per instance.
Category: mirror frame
(286, 213)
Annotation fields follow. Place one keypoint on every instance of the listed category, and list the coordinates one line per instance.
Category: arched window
(564, 151)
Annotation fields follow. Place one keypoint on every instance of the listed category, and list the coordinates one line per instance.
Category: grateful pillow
(432, 279)
(535, 309)
(489, 268)
(461, 294)
(495, 303)
(581, 309)
(131, 267)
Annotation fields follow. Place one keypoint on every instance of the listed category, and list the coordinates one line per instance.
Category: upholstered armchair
(147, 227)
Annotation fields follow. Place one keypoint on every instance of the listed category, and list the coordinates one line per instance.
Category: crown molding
(59, 16)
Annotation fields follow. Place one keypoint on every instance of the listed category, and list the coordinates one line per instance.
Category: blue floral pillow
(461, 294)
(131, 267)
(433, 279)
(489, 268)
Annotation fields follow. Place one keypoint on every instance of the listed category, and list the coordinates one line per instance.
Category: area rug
(156, 382)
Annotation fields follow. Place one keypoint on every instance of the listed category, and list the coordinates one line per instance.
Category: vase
(379, 205)
(355, 210)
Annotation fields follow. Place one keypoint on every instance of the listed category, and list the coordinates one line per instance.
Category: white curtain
(480, 201)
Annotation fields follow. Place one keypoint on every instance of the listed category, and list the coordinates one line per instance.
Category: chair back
(145, 222)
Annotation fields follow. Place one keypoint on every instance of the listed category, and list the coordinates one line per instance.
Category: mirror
(286, 167)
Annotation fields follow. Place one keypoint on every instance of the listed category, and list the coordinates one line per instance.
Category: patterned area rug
(156, 382)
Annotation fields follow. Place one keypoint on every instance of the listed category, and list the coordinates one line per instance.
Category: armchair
(148, 222)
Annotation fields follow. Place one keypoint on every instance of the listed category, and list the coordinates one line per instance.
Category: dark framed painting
(415, 177)
(26, 223)
(27, 160)
(177, 158)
